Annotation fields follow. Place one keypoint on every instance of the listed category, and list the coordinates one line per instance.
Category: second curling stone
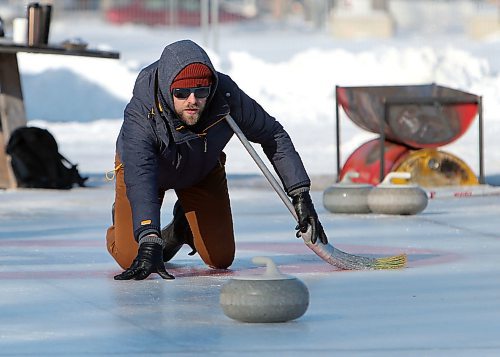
(347, 196)
(390, 198)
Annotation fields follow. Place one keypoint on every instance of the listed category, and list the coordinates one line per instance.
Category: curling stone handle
(349, 176)
(395, 175)
(272, 270)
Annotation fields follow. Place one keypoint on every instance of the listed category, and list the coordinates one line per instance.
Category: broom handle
(262, 166)
(326, 252)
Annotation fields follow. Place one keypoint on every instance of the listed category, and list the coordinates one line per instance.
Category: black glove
(307, 216)
(149, 260)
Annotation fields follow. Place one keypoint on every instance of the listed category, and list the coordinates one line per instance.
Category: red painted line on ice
(58, 243)
(291, 258)
(54, 274)
(416, 257)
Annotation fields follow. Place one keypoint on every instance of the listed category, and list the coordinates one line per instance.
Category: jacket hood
(174, 58)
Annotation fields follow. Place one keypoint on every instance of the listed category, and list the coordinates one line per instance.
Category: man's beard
(190, 119)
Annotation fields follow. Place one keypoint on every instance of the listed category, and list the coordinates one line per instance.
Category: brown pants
(207, 210)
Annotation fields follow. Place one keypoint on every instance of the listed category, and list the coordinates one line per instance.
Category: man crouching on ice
(172, 137)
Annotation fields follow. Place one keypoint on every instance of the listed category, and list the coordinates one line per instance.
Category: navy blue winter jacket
(159, 152)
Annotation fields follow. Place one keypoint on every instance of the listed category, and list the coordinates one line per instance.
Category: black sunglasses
(184, 93)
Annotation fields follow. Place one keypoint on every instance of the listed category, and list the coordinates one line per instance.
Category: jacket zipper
(205, 143)
(204, 133)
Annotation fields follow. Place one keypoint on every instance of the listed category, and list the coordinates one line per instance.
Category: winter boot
(176, 234)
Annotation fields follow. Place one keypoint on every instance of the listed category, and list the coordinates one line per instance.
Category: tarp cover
(420, 116)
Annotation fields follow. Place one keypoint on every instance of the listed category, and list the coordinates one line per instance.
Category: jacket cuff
(146, 230)
(152, 238)
(298, 190)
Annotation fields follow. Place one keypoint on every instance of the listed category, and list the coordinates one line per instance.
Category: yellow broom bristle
(395, 262)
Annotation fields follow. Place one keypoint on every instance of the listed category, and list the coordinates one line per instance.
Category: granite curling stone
(271, 297)
(347, 196)
(402, 199)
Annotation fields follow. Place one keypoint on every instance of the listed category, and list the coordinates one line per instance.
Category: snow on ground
(291, 72)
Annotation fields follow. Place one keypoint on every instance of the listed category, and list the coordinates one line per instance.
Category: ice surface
(59, 297)
(57, 293)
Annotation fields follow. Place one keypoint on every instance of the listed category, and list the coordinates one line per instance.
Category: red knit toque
(193, 75)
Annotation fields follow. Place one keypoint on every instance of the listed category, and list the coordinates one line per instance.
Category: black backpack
(37, 163)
